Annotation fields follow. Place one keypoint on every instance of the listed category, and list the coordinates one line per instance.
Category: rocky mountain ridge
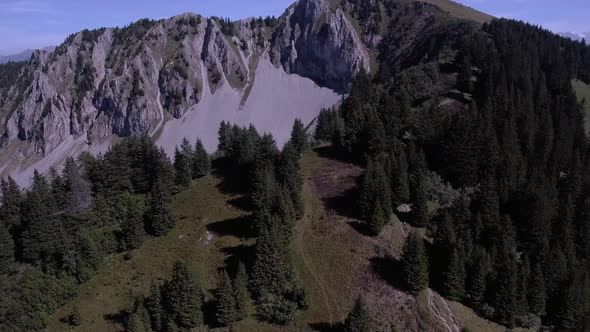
(119, 82)
(182, 76)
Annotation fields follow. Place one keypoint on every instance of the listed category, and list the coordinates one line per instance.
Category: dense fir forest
(56, 233)
(501, 182)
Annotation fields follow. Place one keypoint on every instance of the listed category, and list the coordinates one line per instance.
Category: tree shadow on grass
(327, 327)
(209, 313)
(344, 204)
(117, 317)
(390, 270)
(232, 178)
(330, 152)
(242, 227)
(361, 227)
(241, 202)
(242, 253)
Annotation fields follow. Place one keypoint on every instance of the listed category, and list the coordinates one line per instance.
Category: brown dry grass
(336, 262)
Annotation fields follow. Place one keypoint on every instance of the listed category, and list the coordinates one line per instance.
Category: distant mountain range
(577, 35)
(22, 56)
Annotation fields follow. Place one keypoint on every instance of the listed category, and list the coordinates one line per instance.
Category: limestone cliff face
(132, 80)
(312, 34)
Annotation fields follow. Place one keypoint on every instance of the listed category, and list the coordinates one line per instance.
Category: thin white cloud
(25, 7)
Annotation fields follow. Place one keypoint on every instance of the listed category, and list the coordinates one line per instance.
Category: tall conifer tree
(415, 264)
(241, 292)
(6, 249)
(158, 215)
(183, 301)
(299, 137)
(201, 161)
(358, 319)
(225, 301)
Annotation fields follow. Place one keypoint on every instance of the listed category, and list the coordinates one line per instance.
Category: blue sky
(37, 23)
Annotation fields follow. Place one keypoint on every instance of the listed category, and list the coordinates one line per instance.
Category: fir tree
(299, 137)
(523, 278)
(536, 291)
(378, 218)
(182, 167)
(43, 232)
(224, 137)
(201, 161)
(265, 191)
(58, 189)
(225, 301)
(358, 319)
(115, 170)
(158, 215)
(182, 299)
(138, 320)
(132, 228)
(10, 203)
(566, 314)
(6, 249)
(415, 264)
(505, 291)
(272, 269)
(464, 80)
(453, 278)
(241, 292)
(289, 176)
(375, 197)
(399, 178)
(479, 275)
(153, 305)
(77, 189)
(420, 211)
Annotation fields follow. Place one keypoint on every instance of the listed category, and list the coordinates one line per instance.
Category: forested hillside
(496, 170)
(456, 164)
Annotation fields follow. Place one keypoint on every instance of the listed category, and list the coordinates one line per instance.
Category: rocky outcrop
(312, 34)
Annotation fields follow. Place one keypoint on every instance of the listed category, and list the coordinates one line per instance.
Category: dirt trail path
(306, 260)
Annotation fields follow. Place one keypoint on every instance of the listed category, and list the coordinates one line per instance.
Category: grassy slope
(461, 11)
(583, 93)
(118, 280)
(332, 260)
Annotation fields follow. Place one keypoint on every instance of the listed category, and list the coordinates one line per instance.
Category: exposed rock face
(311, 36)
(121, 82)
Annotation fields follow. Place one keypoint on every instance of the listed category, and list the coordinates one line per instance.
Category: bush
(528, 321)
(74, 317)
(487, 311)
(276, 309)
